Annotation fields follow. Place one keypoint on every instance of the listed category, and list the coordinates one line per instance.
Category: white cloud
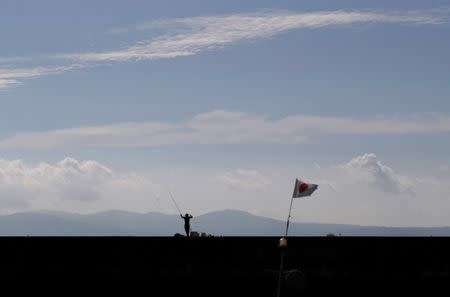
(116, 135)
(380, 125)
(244, 179)
(366, 169)
(69, 182)
(10, 77)
(8, 83)
(223, 127)
(68, 179)
(211, 32)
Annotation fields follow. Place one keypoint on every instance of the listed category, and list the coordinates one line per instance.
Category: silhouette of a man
(187, 225)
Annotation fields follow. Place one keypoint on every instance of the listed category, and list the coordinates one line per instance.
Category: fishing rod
(175, 203)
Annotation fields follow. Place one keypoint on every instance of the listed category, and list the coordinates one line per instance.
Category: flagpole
(289, 217)
(280, 272)
(283, 249)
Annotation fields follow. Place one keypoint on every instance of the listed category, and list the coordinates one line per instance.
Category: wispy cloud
(10, 77)
(211, 32)
(223, 127)
(244, 179)
(190, 36)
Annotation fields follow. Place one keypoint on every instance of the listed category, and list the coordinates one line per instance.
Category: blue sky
(225, 86)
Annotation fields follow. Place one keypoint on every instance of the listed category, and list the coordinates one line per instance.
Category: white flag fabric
(302, 189)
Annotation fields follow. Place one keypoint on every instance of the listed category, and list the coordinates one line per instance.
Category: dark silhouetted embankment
(228, 265)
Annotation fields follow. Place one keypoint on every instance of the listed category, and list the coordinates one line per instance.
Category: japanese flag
(302, 189)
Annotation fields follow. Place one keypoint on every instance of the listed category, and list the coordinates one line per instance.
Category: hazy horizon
(218, 223)
(212, 212)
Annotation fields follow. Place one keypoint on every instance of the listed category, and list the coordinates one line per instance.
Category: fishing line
(175, 203)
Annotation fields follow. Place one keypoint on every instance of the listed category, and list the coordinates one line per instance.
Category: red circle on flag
(303, 187)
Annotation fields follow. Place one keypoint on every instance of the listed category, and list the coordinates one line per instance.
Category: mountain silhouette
(218, 223)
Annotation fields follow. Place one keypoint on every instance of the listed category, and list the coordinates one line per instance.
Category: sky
(112, 104)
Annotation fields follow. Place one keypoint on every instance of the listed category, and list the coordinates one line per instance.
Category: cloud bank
(191, 36)
(223, 127)
(69, 183)
(362, 190)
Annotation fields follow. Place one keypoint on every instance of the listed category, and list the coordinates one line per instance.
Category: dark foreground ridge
(239, 266)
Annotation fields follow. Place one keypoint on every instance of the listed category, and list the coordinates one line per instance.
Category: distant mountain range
(218, 223)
